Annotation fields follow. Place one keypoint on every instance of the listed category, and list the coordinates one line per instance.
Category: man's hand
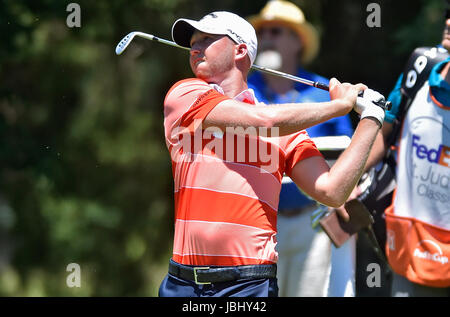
(347, 93)
(366, 105)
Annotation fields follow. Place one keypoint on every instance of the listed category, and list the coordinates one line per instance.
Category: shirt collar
(247, 96)
(435, 79)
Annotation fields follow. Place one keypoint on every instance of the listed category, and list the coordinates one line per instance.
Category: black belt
(208, 275)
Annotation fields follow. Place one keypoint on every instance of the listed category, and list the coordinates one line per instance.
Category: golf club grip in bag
(379, 182)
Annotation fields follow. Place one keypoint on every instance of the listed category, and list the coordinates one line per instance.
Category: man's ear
(241, 51)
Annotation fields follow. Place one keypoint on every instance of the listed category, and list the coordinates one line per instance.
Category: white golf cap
(220, 23)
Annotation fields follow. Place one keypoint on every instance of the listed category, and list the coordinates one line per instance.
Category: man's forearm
(286, 118)
(379, 146)
(290, 118)
(346, 172)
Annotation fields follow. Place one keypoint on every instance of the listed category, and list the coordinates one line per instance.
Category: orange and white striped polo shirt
(227, 184)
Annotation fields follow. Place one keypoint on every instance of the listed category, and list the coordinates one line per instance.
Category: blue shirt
(439, 88)
(290, 196)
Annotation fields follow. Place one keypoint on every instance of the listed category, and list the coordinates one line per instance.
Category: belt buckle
(195, 275)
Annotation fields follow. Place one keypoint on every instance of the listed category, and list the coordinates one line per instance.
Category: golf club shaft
(255, 67)
(292, 77)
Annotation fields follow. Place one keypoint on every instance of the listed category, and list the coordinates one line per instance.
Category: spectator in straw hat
(287, 42)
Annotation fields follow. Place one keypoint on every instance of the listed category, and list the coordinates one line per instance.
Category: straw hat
(290, 15)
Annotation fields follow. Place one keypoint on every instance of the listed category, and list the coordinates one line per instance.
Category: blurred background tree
(85, 176)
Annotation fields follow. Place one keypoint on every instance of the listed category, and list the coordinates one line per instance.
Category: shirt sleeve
(297, 147)
(187, 104)
(395, 98)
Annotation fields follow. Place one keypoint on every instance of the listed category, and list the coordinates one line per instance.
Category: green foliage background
(85, 176)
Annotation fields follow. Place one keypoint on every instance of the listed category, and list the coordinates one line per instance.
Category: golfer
(229, 155)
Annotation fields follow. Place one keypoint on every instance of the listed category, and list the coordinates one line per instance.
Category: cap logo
(240, 40)
(212, 15)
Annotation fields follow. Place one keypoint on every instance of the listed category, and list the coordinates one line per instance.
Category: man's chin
(207, 79)
(201, 75)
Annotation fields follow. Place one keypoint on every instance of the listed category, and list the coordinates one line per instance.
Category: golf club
(123, 44)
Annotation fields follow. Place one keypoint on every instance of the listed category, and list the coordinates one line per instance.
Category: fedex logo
(440, 156)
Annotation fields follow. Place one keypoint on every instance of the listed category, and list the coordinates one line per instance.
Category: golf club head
(123, 44)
